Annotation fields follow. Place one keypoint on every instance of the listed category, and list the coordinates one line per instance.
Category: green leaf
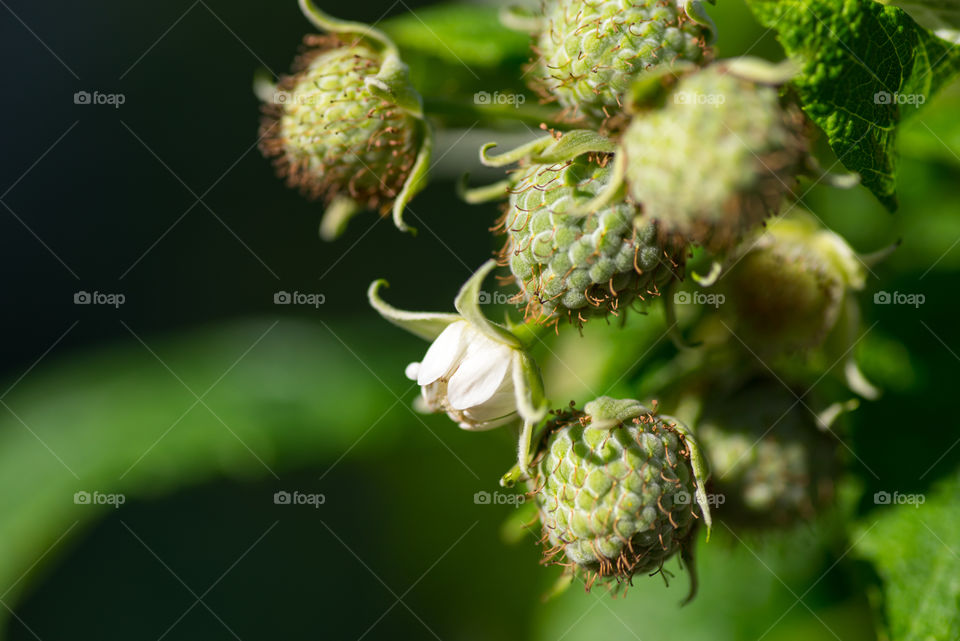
(864, 67)
(916, 552)
(940, 16)
(125, 420)
(461, 33)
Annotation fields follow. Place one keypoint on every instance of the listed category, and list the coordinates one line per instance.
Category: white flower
(478, 372)
(469, 376)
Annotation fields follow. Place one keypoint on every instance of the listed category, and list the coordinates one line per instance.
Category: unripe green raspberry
(788, 285)
(592, 50)
(769, 460)
(717, 159)
(615, 489)
(330, 136)
(581, 266)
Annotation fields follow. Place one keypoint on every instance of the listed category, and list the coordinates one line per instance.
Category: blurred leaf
(940, 16)
(936, 136)
(466, 34)
(749, 589)
(860, 61)
(886, 362)
(916, 551)
(121, 421)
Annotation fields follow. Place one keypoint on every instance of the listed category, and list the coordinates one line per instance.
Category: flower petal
(443, 354)
(482, 372)
(411, 371)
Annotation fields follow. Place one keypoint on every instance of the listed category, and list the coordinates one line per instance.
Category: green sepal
(392, 84)
(528, 384)
(698, 13)
(428, 325)
(547, 150)
(516, 155)
(606, 412)
(468, 305)
(572, 144)
(328, 23)
(417, 179)
(699, 464)
(760, 71)
(336, 216)
(478, 195)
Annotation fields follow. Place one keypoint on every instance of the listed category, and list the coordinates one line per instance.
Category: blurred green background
(198, 398)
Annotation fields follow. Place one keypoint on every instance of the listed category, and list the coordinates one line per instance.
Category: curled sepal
(573, 144)
(516, 155)
(760, 71)
(716, 269)
(336, 216)
(428, 325)
(328, 23)
(417, 179)
(828, 416)
(468, 304)
(699, 465)
(698, 13)
(477, 195)
(547, 150)
(521, 19)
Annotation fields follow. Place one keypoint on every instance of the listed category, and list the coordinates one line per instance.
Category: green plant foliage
(914, 548)
(124, 420)
(864, 67)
